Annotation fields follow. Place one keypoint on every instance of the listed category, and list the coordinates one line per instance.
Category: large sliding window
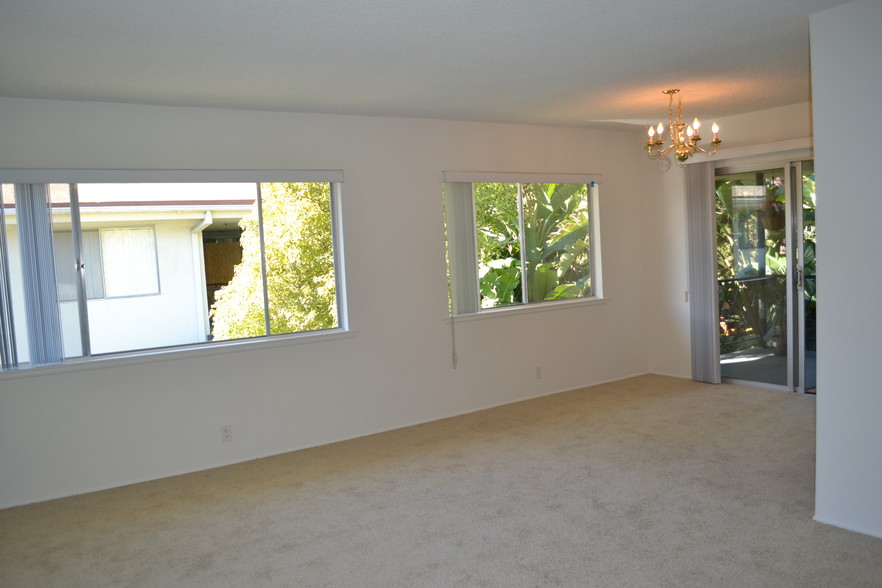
(517, 239)
(96, 268)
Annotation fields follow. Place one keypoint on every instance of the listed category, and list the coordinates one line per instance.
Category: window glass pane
(299, 262)
(31, 293)
(751, 264)
(499, 251)
(17, 342)
(65, 269)
(129, 257)
(536, 235)
(556, 228)
(299, 256)
(65, 265)
(169, 264)
(94, 270)
(151, 248)
(233, 274)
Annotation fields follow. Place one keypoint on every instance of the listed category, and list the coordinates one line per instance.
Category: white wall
(847, 83)
(66, 431)
(667, 243)
(667, 256)
(766, 126)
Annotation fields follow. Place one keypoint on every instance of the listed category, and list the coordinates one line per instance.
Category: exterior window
(516, 243)
(120, 262)
(65, 265)
(90, 269)
(129, 257)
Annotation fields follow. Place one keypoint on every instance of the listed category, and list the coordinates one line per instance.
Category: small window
(514, 243)
(129, 257)
(116, 262)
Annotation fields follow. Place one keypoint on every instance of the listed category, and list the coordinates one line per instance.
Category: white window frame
(95, 176)
(459, 208)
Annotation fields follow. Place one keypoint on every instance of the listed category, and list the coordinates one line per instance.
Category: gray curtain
(459, 211)
(704, 321)
(38, 273)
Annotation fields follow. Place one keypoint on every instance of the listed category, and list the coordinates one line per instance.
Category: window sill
(526, 309)
(173, 353)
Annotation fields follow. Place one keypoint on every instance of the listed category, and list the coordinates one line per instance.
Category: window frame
(334, 178)
(462, 247)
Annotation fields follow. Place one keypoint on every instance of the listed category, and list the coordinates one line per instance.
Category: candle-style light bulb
(651, 132)
(660, 128)
(689, 132)
(695, 124)
(715, 128)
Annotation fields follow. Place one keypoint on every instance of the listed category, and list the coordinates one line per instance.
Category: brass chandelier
(684, 138)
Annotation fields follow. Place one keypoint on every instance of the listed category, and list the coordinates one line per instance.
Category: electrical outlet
(226, 433)
(538, 372)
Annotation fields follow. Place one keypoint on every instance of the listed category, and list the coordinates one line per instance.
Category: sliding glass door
(805, 303)
(765, 249)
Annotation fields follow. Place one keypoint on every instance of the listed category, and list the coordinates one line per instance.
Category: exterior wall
(77, 428)
(168, 318)
(171, 317)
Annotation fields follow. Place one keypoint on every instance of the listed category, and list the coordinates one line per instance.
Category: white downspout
(206, 220)
(199, 274)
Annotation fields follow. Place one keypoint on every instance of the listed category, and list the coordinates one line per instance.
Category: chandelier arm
(711, 152)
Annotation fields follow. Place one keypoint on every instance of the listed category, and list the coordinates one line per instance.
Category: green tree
(299, 256)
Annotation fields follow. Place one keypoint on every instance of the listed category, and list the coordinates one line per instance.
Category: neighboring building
(154, 255)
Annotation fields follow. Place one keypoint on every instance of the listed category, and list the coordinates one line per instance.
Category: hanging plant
(772, 215)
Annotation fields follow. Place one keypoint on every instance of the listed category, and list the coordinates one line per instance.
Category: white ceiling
(558, 62)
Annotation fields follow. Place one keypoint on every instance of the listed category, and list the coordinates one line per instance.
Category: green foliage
(496, 218)
(500, 281)
(556, 224)
(499, 249)
(725, 238)
(752, 290)
(556, 238)
(299, 267)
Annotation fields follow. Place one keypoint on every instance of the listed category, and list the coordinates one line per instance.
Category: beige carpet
(652, 481)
